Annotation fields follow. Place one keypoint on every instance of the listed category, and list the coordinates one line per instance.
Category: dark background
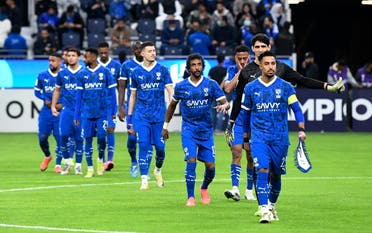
(333, 29)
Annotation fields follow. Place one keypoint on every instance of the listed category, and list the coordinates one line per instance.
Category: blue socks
(262, 188)
(190, 176)
(208, 177)
(235, 174)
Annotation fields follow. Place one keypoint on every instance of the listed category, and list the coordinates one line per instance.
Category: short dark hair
(55, 54)
(92, 50)
(103, 44)
(241, 49)
(146, 44)
(262, 38)
(266, 54)
(73, 49)
(220, 58)
(193, 57)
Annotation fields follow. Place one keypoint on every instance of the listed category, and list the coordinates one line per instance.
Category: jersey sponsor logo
(147, 86)
(196, 103)
(70, 86)
(49, 89)
(93, 85)
(267, 107)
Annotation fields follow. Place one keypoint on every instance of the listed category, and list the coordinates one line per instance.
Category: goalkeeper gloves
(229, 133)
(337, 87)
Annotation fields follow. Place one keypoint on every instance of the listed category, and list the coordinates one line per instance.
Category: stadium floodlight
(367, 2)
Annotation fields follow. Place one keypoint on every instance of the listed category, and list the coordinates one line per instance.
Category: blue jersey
(196, 102)
(113, 66)
(150, 85)
(45, 84)
(268, 104)
(66, 79)
(95, 84)
(125, 73)
(231, 71)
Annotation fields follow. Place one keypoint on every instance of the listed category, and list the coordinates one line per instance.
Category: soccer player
(123, 83)
(66, 88)
(94, 84)
(241, 55)
(265, 105)
(44, 87)
(106, 61)
(196, 95)
(147, 84)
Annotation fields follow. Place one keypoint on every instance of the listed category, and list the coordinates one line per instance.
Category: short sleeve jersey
(67, 79)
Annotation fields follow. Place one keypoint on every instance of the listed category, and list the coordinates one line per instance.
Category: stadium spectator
(63, 5)
(15, 43)
(241, 57)
(120, 37)
(44, 44)
(278, 14)
(147, 84)
(218, 73)
(364, 75)
(269, 144)
(148, 9)
(247, 31)
(197, 124)
(120, 9)
(71, 22)
(172, 36)
(220, 11)
(246, 12)
(14, 13)
(270, 29)
(310, 68)
(123, 83)
(42, 6)
(338, 70)
(106, 61)
(92, 113)
(47, 123)
(238, 6)
(284, 42)
(223, 34)
(5, 26)
(168, 9)
(95, 9)
(199, 41)
(263, 7)
(49, 20)
(202, 15)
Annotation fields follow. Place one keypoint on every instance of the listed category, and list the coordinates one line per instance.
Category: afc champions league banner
(325, 111)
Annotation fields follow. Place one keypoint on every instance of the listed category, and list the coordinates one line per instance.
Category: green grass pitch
(335, 196)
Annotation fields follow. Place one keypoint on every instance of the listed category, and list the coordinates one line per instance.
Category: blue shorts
(67, 126)
(203, 150)
(48, 123)
(111, 122)
(273, 157)
(238, 135)
(94, 127)
(149, 133)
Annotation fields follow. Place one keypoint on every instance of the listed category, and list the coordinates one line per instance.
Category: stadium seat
(94, 39)
(147, 37)
(227, 51)
(70, 39)
(172, 50)
(96, 26)
(146, 26)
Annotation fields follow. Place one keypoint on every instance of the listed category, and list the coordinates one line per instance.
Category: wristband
(165, 125)
(301, 129)
(129, 119)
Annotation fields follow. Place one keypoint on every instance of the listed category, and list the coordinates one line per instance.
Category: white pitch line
(60, 229)
(175, 181)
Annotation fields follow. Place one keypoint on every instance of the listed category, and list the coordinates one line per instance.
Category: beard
(53, 68)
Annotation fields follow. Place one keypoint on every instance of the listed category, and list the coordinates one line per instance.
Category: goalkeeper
(264, 107)
(260, 44)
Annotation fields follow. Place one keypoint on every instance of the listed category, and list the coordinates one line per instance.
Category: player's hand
(229, 133)
(301, 135)
(76, 122)
(338, 87)
(54, 110)
(224, 108)
(165, 134)
(121, 114)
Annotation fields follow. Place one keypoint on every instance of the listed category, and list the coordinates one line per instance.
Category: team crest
(205, 91)
(113, 71)
(158, 75)
(278, 92)
(100, 76)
